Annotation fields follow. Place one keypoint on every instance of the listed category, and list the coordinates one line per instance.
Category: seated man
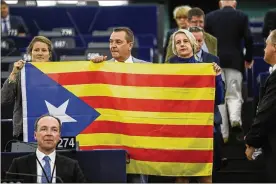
(45, 164)
(12, 25)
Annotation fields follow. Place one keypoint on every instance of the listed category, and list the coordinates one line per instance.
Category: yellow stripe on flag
(170, 143)
(142, 92)
(162, 118)
(169, 168)
(140, 68)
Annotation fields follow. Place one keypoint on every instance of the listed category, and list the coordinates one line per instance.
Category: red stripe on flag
(149, 104)
(155, 155)
(150, 130)
(99, 77)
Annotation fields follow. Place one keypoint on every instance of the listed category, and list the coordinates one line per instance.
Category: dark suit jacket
(209, 58)
(231, 28)
(66, 168)
(18, 23)
(269, 22)
(263, 130)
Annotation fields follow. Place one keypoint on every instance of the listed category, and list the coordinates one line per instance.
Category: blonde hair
(190, 37)
(42, 39)
(181, 11)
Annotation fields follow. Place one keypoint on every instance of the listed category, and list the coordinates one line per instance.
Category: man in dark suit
(12, 25)
(269, 22)
(231, 28)
(46, 165)
(262, 133)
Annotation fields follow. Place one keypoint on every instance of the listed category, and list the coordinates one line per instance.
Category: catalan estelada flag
(162, 114)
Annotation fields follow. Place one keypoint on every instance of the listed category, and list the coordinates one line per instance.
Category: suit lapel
(266, 81)
(32, 166)
(58, 168)
(204, 55)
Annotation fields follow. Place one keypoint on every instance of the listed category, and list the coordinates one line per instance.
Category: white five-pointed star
(60, 112)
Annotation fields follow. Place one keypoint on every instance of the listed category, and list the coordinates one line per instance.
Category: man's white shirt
(129, 60)
(39, 171)
(272, 69)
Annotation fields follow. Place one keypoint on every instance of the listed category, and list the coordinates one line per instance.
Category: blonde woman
(40, 49)
(184, 46)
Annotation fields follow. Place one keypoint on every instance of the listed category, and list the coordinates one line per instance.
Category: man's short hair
(197, 12)
(4, 3)
(181, 11)
(272, 36)
(129, 34)
(47, 115)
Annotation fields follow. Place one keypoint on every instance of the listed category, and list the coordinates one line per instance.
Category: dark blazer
(231, 28)
(11, 93)
(269, 22)
(262, 133)
(66, 168)
(209, 58)
(18, 23)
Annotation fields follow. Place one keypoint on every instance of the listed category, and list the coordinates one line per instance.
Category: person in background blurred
(40, 49)
(185, 48)
(180, 15)
(12, 25)
(231, 28)
(269, 22)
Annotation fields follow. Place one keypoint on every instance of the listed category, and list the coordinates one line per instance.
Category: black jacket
(262, 133)
(231, 28)
(66, 168)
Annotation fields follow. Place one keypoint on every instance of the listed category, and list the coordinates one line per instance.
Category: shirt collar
(199, 54)
(128, 60)
(7, 18)
(41, 155)
(272, 69)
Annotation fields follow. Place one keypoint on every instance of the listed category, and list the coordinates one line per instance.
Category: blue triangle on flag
(40, 90)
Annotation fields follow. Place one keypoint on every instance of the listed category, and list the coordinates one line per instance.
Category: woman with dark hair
(40, 49)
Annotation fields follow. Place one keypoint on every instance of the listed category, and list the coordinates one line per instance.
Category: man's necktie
(47, 169)
(5, 28)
